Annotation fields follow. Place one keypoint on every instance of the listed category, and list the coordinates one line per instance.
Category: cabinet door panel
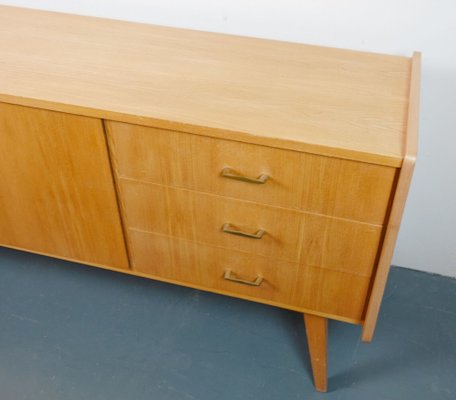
(57, 195)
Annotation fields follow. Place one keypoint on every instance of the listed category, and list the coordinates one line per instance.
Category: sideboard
(269, 171)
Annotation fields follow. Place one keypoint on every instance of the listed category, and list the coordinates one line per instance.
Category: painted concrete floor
(73, 332)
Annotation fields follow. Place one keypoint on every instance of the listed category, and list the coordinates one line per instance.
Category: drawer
(289, 235)
(283, 283)
(201, 217)
(318, 184)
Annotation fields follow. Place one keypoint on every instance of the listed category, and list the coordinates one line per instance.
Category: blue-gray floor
(73, 332)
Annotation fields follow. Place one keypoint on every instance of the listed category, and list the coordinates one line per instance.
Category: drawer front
(286, 284)
(201, 217)
(289, 235)
(324, 185)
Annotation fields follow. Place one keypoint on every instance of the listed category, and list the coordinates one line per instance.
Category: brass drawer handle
(231, 174)
(229, 277)
(228, 228)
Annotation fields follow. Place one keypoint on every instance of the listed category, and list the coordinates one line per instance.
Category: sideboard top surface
(329, 101)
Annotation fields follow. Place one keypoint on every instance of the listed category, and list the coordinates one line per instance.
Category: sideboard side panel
(400, 197)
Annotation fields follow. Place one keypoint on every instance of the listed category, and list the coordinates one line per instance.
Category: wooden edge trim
(115, 181)
(397, 208)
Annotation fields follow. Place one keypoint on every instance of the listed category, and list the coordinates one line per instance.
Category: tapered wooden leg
(317, 338)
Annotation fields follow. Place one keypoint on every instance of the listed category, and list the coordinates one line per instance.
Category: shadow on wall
(426, 239)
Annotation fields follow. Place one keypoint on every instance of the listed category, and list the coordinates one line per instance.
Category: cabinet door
(57, 195)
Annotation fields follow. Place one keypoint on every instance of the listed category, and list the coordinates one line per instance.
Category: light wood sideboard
(270, 171)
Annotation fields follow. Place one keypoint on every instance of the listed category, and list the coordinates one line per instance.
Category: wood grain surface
(324, 185)
(337, 295)
(57, 193)
(310, 239)
(321, 100)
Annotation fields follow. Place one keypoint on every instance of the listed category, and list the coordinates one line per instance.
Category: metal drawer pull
(230, 173)
(228, 228)
(229, 277)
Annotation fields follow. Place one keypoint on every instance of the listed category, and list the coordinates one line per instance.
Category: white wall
(427, 239)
